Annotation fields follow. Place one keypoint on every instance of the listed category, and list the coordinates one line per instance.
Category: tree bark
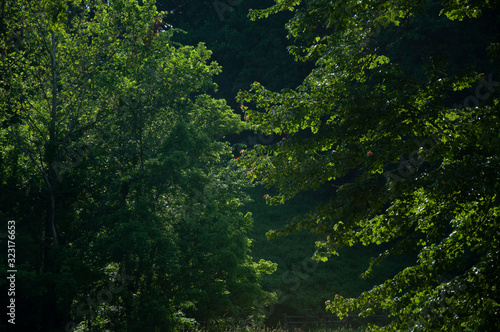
(53, 145)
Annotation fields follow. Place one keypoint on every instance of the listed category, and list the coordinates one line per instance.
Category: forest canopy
(401, 116)
(125, 186)
(126, 202)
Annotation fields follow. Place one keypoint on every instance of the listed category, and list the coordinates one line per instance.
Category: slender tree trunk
(50, 317)
(53, 145)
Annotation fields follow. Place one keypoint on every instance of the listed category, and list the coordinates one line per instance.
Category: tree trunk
(53, 146)
(49, 310)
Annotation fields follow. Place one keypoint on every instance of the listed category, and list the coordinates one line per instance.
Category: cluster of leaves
(114, 170)
(413, 171)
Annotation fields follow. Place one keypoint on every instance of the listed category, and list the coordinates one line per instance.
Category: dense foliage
(130, 209)
(127, 205)
(400, 114)
(250, 51)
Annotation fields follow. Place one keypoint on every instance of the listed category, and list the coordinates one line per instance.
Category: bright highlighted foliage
(403, 118)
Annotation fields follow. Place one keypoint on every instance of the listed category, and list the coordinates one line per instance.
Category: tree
(109, 140)
(413, 169)
(246, 50)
